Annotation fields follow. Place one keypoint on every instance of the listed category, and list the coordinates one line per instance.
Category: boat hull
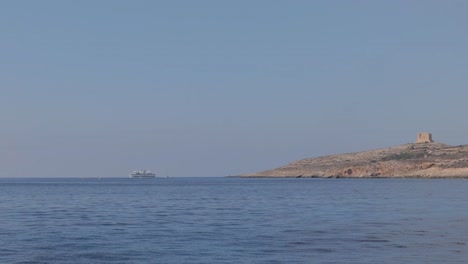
(142, 176)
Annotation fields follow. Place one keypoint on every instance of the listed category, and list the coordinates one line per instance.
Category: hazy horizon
(211, 88)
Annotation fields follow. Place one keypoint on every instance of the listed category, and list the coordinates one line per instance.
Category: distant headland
(423, 159)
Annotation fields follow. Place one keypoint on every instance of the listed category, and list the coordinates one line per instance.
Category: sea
(233, 220)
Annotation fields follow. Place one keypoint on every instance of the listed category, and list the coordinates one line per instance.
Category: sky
(217, 88)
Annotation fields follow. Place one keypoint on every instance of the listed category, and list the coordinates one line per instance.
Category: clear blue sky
(213, 88)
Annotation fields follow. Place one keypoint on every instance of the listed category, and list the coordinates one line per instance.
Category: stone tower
(424, 138)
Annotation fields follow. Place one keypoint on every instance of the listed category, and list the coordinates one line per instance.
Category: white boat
(142, 174)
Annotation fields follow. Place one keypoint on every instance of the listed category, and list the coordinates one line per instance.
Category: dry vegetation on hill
(429, 160)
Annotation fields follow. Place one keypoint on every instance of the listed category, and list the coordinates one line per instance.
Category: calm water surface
(232, 220)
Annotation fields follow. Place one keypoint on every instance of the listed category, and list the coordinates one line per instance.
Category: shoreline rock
(414, 160)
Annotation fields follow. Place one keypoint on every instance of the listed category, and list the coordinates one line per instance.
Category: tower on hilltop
(424, 138)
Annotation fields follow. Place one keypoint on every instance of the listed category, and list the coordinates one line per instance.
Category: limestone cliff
(430, 160)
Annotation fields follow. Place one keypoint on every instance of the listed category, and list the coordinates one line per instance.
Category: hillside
(428, 160)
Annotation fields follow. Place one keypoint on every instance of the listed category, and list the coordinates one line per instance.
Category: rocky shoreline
(414, 160)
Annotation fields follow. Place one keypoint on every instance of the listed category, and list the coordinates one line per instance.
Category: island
(423, 159)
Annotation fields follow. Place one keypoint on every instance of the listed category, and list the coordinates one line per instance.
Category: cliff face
(429, 160)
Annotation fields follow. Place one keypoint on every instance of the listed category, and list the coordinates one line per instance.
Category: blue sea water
(233, 220)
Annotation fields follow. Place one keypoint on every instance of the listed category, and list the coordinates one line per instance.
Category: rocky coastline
(414, 160)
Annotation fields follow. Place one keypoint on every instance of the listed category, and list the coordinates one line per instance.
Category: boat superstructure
(142, 174)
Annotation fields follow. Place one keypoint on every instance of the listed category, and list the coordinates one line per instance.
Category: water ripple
(228, 220)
